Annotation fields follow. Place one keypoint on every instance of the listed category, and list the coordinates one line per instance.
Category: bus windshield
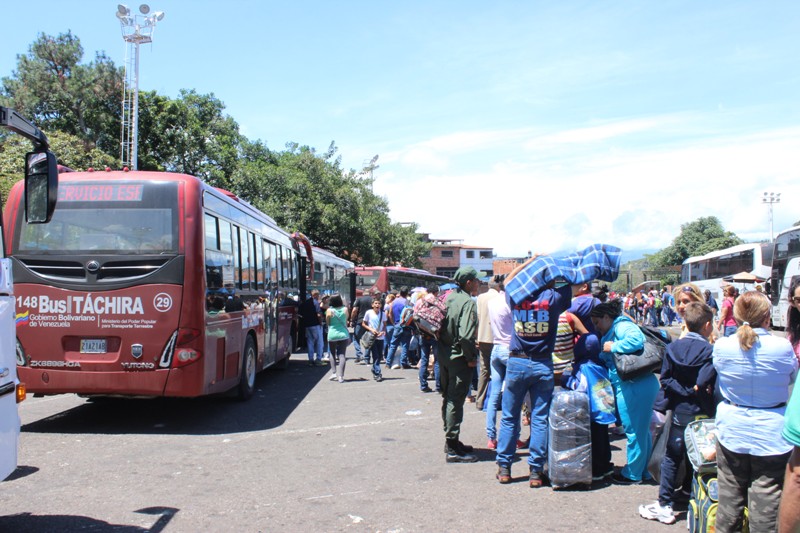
(123, 218)
(367, 279)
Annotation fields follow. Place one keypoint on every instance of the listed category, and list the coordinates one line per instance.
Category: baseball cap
(466, 273)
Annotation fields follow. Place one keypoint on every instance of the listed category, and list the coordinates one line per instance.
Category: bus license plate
(93, 346)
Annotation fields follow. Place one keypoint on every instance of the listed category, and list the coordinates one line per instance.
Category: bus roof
(725, 251)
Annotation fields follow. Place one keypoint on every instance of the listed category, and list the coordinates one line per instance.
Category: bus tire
(247, 379)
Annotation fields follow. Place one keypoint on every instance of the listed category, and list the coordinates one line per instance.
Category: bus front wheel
(247, 380)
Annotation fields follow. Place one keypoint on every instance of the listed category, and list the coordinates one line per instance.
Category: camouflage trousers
(749, 481)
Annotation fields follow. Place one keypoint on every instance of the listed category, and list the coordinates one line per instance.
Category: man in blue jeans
(401, 335)
(530, 369)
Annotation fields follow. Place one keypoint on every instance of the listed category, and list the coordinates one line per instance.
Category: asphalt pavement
(304, 454)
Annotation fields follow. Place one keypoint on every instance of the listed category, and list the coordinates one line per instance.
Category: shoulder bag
(649, 359)
(367, 340)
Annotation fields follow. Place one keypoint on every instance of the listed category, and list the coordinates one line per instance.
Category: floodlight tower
(136, 29)
(771, 198)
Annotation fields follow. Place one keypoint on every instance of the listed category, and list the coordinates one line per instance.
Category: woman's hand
(607, 346)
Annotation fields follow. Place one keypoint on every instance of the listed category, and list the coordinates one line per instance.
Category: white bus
(41, 183)
(706, 271)
(785, 267)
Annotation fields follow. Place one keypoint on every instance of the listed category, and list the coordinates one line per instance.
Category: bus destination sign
(70, 192)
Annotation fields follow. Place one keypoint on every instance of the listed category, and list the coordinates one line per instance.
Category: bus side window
(212, 240)
(237, 258)
(225, 242)
(258, 263)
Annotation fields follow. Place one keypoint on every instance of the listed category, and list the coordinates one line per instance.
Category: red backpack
(429, 314)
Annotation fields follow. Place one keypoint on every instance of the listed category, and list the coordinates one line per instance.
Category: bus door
(271, 303)
(9, 419)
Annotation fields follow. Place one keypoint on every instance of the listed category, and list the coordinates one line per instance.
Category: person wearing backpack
(427, 347)
(401, 336)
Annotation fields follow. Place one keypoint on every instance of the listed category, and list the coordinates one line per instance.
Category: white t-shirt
(376, 322)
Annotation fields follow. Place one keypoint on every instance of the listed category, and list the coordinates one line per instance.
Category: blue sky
(518, 125)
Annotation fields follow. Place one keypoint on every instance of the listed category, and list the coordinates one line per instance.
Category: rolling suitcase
(569, 456)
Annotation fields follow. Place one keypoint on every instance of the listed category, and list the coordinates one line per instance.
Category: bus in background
(785, 268)
(706, 271)
(387, 279)
(40, 190)
(151, 284)
(331, 274)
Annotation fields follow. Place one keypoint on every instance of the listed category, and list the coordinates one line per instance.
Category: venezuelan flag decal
(23, 318)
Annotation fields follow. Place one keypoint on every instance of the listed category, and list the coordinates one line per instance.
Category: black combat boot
(454, 453)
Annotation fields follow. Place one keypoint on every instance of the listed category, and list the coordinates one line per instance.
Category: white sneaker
(396, 367)
(333, 377)
(655, 511)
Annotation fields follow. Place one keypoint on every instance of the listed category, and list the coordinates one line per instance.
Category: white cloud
(516, 197)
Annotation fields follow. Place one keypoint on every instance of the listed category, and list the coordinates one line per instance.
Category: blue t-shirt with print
(536, 321)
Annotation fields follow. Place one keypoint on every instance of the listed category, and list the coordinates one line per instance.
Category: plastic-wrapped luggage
(569, 458)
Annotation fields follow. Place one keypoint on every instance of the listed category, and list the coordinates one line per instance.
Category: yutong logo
(138, 366)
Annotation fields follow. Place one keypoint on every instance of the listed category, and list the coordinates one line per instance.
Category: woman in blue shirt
(754, 371)
(634, 397)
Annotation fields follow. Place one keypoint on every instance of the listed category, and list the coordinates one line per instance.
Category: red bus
(151, 284)
(393, 278)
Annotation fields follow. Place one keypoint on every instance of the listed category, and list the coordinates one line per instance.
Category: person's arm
(630, 339)
(707, 376)
(577, 325)
(789, 513)
(519, 268)
(669, 383)
(723, 316)
(468, 332)
(354, 313)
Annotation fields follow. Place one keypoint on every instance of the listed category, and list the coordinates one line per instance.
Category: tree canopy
(51, 88)
(704, 235)
(79, 106)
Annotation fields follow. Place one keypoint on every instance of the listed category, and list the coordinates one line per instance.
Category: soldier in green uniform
(458, 355)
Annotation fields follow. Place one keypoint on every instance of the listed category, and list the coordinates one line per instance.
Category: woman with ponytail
(754, 372)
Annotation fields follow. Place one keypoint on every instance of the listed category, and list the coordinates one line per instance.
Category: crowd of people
(515, 344)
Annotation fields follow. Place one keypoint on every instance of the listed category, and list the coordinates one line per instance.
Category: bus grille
(109, 271)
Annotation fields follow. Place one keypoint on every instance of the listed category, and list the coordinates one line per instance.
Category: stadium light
(771, 198)
(136, 30)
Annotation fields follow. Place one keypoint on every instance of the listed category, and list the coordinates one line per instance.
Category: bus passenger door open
(271, 303)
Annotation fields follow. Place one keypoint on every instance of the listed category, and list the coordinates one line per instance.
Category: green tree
(70, 152)
(189, 134)
(704, 235)
(52, 89)
(337, 210)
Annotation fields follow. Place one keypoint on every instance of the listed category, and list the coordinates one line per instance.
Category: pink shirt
(727, 303)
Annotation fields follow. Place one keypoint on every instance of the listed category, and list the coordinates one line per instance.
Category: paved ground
(305, 454)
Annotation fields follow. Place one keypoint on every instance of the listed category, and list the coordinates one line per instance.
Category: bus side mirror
(41, 186)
